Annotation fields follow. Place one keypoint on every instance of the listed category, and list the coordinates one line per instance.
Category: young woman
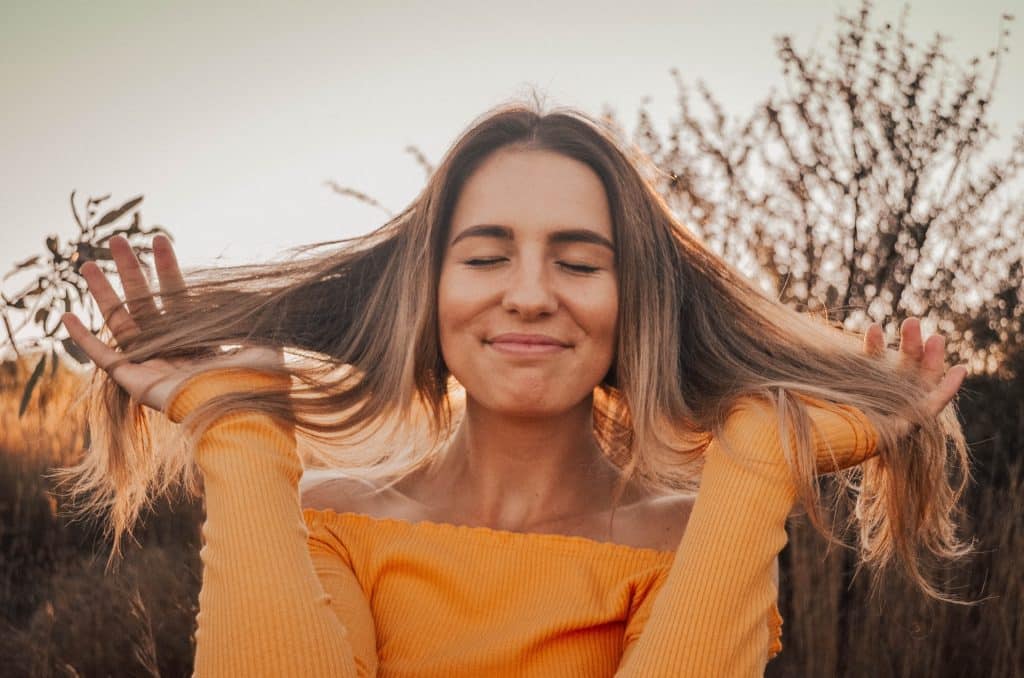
(581, 362)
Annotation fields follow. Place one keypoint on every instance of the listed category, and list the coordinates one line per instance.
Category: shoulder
(332, 490)
(660, 521)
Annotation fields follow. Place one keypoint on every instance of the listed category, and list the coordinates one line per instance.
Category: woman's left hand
(926, 358)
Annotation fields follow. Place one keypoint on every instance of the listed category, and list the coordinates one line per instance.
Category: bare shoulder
(331, 490)
(660, 521)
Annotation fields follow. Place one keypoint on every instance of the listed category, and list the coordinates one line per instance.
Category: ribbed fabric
(293, 592)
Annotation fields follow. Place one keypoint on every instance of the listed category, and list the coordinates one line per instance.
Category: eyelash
(574, 268)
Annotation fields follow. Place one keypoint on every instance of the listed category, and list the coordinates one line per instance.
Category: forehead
(529, 189)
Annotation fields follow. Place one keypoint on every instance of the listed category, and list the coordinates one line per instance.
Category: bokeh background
(856, 168)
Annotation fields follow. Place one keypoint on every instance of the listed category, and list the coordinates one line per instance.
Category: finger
(946, 389)
(167, 268)
(874, 340)
(934, 360)
(911, 349)
(115, 315)
(136, 286)
(101, 354)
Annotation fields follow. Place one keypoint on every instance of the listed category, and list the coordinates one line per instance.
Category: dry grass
(61, 616)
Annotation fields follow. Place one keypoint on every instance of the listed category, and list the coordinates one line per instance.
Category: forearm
(263, 611)
(710, 617)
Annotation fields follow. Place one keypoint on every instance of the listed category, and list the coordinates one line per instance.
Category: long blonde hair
(694, 336)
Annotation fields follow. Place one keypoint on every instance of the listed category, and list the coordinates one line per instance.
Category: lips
(528, 344)
(530, 339)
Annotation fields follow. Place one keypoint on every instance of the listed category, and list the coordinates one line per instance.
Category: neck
(512, 473)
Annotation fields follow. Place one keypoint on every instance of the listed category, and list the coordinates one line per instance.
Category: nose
(529, 292)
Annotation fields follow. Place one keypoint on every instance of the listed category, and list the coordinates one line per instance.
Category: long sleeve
(709, 617)
(263, 611)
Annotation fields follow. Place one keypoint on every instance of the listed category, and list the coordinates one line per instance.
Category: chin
(528, 404)
(523, 411)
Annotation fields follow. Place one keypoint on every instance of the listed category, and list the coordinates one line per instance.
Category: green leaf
(30, 386)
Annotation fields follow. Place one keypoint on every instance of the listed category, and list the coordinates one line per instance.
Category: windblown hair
(694, 337)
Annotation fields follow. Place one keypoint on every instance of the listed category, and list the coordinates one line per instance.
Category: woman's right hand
(153, 381)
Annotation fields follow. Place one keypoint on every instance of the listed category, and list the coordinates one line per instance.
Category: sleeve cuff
(199, 388)
(845, 429)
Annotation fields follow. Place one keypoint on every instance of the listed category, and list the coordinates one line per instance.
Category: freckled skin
(527, 282)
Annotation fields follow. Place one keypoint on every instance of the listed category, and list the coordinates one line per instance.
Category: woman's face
(527, 299)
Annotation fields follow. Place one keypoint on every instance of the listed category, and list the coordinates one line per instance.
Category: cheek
(598, 311)
(457, 304)
(605, 334)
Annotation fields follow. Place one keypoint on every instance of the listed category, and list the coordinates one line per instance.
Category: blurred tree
(866, 189)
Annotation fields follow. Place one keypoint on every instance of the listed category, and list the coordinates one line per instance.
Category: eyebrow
(567, 235)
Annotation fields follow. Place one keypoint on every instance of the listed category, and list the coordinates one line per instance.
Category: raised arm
(263, 610)
(709, 618)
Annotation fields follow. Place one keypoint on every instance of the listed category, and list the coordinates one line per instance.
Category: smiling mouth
(526, 344)
(520, 348)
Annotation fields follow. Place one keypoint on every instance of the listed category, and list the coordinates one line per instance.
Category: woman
(610, 362)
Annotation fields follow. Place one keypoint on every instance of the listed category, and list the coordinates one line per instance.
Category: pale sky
(231, 118)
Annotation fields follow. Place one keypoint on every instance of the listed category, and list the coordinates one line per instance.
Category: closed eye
(484, 261)
(578, 268)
